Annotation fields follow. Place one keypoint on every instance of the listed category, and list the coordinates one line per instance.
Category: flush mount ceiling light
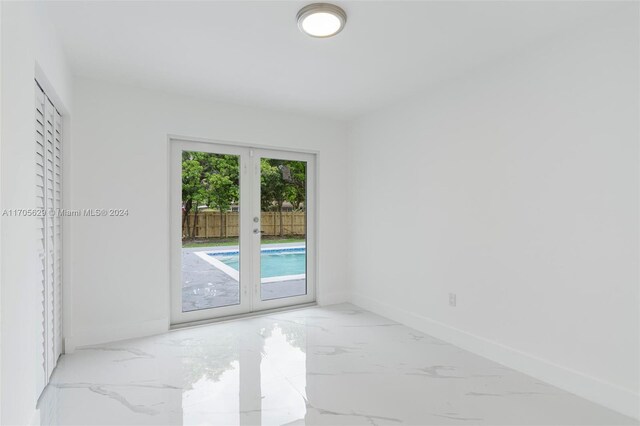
(321, 20)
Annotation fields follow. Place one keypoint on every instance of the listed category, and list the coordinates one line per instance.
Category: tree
(214, 179)
(273, 187)
(221, 184)
(282, 181)
(221, 192)
(296, 179)
(192, 189)
(210, 179)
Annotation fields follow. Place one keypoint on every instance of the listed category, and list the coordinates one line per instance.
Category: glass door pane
(210, 230)
(283, 219)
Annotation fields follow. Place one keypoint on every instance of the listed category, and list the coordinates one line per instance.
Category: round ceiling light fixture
(321, 20)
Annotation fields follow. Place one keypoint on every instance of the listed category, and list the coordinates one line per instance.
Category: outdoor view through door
(244, 217)
(283, 254)
(210, 223)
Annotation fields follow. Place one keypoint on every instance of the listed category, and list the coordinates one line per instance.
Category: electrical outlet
(452, 299)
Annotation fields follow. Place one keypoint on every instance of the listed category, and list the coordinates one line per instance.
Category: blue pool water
(273, 262)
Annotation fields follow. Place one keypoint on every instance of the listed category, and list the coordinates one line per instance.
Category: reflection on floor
(337, 365)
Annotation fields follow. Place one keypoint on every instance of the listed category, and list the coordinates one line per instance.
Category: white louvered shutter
(41, 226)
(49, 228)
(57, 230)
(50, 263)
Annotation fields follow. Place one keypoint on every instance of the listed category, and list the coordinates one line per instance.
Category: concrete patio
(204, 286)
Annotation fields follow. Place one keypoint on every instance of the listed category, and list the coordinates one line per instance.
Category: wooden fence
(208, 225)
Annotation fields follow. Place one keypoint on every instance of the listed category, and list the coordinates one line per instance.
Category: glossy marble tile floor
(338, 365)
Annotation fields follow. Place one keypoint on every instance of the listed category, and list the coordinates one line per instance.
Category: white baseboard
(35, 418)
(334, 298)
(619, 399)
(115, 333)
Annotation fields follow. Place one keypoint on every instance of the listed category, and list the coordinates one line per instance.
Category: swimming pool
(276, 264)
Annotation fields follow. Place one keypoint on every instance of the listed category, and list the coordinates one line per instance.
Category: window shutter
(48, 165)
(57, 229)
(41, 225)
(49, 232)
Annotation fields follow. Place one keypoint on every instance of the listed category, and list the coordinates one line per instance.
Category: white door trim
(250, 300)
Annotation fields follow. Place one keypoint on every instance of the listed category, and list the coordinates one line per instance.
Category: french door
(242, 229)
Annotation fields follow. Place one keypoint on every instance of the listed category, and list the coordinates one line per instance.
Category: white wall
(120, 281)
(29, 49)
(515, 187)
(1, 204)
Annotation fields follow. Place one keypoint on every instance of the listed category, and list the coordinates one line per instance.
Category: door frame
(250, 300)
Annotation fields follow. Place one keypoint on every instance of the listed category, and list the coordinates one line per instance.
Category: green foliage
(209, 179)
(222, 182)
(282, 181)
(191, 174)
(297, 188)
(272, 185)
(214, 180)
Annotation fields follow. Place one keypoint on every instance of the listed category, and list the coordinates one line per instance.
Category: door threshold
(227, 318)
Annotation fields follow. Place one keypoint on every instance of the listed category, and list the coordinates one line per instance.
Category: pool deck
(204, 286)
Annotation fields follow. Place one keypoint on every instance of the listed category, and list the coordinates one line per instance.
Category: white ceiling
(253, 53)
